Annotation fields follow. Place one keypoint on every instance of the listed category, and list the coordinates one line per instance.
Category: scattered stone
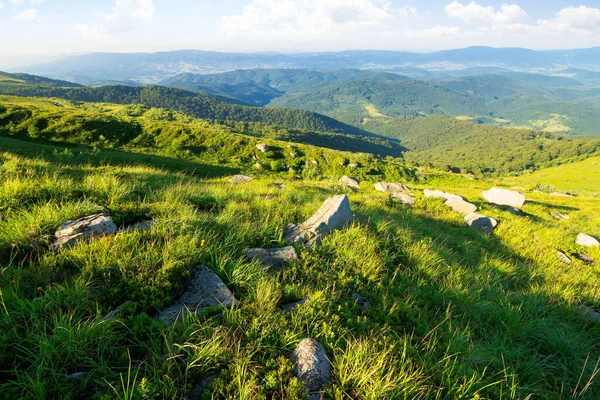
(258, 166)
(312, 365)
(205, 289)
(262, 147)
(279, 186)
(563, 257)
(481, 223)
(560, 216)
(255, 157)
(587, 240)
(294, 155)
(71, 232)
(386, 187)
(404, 198)
(77, 376)
(350, 182)
(137, 227)
(584, 258)
(442, 195)
(461, 206)
(289, 307)
(360, 301)
(353, 165)
(592, 314)
(504, 197)
(513, 211)
(558, 194)
(273, 258)
(114, 312)
(315, 162)
(199, 388)
(237, 179)
(335, 213)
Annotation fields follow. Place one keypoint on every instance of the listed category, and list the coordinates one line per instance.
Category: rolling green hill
(355, 102)
(480, 149)
(18, 79)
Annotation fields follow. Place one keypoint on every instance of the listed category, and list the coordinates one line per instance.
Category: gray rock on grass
(587, 240)
(481, 223)
(292, 305)
(205, 289)
(404, 198)
(562, 257)
(335, 213)
(386, 187)
(584, 258)
(237, 179)
(350, 182)
(504, 197)
(262, 147)
(461, 206)
(84, 228)
(312, 365)
(442, 195)
(592, 314)
(273, 258)
(360, 301)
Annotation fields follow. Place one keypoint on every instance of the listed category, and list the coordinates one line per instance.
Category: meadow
(455, 313)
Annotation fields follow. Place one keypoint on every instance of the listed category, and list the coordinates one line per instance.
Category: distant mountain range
(154, 67)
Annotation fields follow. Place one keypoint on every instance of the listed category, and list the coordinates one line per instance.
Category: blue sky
(56, 27)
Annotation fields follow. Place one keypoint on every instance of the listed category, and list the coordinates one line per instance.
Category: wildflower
(202, 243)
(39, 289)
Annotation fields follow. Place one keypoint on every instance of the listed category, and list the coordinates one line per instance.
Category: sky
(35, 29)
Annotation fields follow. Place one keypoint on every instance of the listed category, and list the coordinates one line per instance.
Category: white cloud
(27, 15)
(132, 9)
(1, 5)
(17, 2)
(581, 19)
(295, 22)
(473, 13)
(435, 32)
(408, 12)
(124, 17)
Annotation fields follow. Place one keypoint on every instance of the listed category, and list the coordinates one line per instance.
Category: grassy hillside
(455, 314)
(582, 176)
(480, 149)
(260, 86)
(26, 79)
(199, 105)
(355, 102)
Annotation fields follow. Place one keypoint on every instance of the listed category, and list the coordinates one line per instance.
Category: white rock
(481, 223)
(273, 258)
(442, 195)
(312, 365)
(587, 240)
(237, 179)
(563, 257)
(386, 187)
(350, 182)
(461, 206)
(262, 147)
(404, 198)
(504, 197)
(71, 232)
(205, 289)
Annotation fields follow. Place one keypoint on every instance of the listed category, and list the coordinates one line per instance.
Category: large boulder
(237, 179)
(312, 365)
(273, 258)
(205, 289)
(262, 147)
(335, 213)
(386, 187)
(461, 206)
(481, 223)
(442, 195)
(350, 182)
(404, 198)
(504, 197)
(587, 240)
(72, 232)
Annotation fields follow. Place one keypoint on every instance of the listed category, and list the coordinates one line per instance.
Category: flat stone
(353, 165)
(461, 206)
(205, 289)
(350, 182)
(591, 313)
(258, 166)
(335, 213)
(262, 147)
(84, 228)
(481, 223)
(560, 216)
(77, 376)
(279, 186)
(584, 258)
(442, 195)
(273, 258)
(292, 305)
(563, 257)
(386, 187)
(504, 197)
(237, 179)
(360, 301)
(404, 198)
(312, 365)
(587, 240)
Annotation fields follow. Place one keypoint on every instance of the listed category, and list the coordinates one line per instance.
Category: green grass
(455, 314)
(582, 176)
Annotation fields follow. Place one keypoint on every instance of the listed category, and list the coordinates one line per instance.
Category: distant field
(579, 176)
